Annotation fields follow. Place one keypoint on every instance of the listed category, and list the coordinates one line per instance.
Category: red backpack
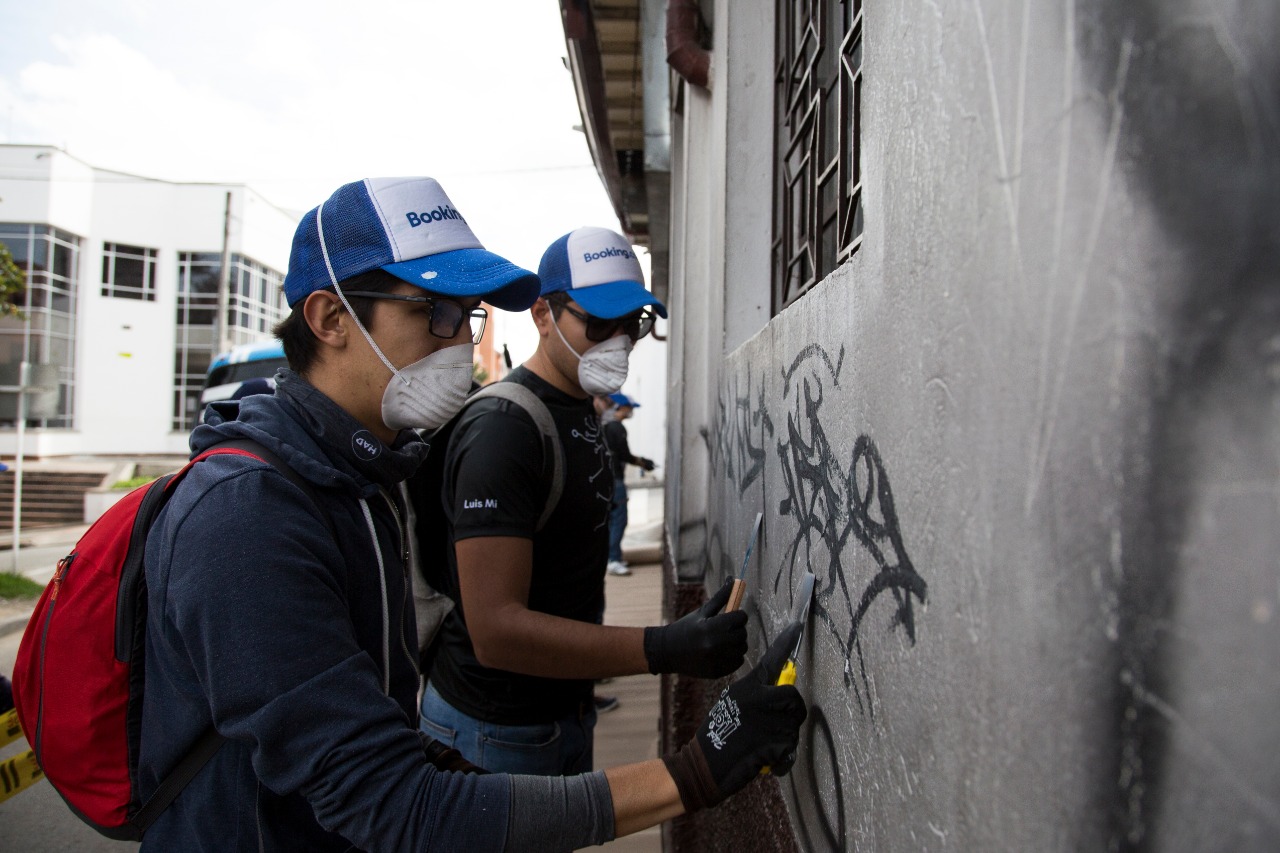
(77, 682)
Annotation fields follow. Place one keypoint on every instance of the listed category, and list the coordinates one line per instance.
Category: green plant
(131, 483)
(13, 281)
(18, 586)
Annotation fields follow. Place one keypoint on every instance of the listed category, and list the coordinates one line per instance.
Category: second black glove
(704, 643)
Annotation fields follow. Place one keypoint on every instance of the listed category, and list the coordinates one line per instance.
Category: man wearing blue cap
(279, 623)
(620, 456)
(516, 660)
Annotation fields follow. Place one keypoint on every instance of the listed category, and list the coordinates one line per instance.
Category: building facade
(978, 302)
(123, 276)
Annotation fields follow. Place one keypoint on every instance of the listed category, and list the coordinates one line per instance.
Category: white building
(122, 293)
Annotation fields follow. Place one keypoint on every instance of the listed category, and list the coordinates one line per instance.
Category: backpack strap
(210, 742)
(536, 409)
(170, 786)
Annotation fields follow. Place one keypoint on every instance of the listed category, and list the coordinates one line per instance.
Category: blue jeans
(617, 520)
(562, 748)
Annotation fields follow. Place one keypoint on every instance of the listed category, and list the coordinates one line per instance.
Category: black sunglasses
(636, 326)
(446, 315)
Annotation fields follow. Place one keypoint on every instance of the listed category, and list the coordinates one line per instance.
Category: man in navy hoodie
(281, 616)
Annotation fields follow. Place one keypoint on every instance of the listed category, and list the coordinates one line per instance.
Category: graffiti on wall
(846, 525)
(738, 450)
(844, 514)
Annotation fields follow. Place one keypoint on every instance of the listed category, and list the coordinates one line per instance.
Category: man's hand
(755, 724)
(646, 464)
(702, 643)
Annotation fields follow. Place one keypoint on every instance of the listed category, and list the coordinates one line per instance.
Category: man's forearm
(531, 643)
(644, 794)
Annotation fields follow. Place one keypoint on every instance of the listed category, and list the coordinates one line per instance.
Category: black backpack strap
(210, 742)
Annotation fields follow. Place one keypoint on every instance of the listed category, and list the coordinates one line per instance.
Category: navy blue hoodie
(293, 635)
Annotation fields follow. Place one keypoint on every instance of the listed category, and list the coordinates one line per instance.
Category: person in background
(620, 456)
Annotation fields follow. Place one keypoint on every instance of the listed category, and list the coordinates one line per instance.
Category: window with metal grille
(128, 272)
(817, 139)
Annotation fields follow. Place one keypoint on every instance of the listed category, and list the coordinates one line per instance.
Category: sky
(297, 98)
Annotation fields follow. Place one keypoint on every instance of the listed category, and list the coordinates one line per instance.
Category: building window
(817, 142)
(51, 259)
(256, 304)
(128, 272)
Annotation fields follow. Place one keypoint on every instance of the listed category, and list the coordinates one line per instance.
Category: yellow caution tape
(9, 728)
(18, 774)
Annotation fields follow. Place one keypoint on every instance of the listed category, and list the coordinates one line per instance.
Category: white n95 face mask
(603, 368)
(428, 392)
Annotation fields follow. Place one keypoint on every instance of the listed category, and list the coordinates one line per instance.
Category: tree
(13, 281)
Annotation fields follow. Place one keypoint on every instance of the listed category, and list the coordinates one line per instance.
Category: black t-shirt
(496, 484)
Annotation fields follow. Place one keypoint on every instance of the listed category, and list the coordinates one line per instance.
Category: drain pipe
(684, 53)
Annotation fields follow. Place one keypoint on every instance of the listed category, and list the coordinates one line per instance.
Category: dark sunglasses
(635, 326)
(446, 315)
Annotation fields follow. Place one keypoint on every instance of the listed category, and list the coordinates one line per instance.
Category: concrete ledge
(13, 624)
(640, 554)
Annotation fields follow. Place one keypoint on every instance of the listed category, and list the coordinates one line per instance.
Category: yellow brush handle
(787, 676)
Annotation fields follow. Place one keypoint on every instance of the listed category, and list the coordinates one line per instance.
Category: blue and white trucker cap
(408, 227)
(599, 270)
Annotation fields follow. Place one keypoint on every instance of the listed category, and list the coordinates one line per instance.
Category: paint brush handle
(735, 595)
(787, 676)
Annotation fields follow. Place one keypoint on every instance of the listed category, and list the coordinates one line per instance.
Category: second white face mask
(428, 392)
(602, 369)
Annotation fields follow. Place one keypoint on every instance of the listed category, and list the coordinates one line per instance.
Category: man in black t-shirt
(511, 687)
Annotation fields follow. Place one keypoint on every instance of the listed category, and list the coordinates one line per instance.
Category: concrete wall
(1027, 438)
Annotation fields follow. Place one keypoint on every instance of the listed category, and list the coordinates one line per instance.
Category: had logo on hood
(366, 446)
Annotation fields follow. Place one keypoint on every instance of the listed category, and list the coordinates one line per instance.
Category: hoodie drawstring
(386, 607)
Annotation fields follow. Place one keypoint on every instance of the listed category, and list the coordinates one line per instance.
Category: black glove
(755, 724)
(646, 464)
(700, 643)
(446, 757)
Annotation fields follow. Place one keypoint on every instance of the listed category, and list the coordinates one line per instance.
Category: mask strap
(368, 337)
(556, 326)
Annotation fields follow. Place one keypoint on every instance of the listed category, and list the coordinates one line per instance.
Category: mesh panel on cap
(554, 268)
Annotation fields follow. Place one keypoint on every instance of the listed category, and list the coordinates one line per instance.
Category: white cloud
(297, 98)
